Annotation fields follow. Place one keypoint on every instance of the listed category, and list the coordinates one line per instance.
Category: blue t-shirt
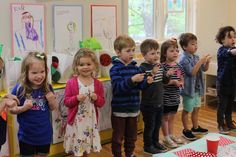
(34, 125)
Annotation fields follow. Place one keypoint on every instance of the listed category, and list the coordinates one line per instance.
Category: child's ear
(117, 52)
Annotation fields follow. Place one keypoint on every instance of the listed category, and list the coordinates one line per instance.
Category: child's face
(230, 39)
(172, 54)
(126, 55)
(85, 67)
(152, 56)
(37, 73)
(191, 47)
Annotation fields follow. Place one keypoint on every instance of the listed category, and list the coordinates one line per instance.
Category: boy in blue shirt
(226, 36)
(127, 80)
(193, 83)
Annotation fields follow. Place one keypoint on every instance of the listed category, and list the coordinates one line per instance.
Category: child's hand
(205, 58)
(93, 96)
(28, 104)
(149, 79)
(50, 96)
(81, 97)
(233, 51)
(13, 97)
(171, 72)
(10, 103)
(155, 69)
(138, 77)
(209, 57)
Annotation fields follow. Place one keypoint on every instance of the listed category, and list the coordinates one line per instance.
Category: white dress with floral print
(83, 135)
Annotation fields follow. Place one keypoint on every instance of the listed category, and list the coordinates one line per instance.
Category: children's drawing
(59, 118)
(28, 32)
(104, 24)
(68, 28)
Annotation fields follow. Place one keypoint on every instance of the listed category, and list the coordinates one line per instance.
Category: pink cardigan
(71, 92)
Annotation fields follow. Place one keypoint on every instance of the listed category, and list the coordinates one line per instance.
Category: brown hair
(84, 52)
(123, 41)
(185, 38)
(164, 47)
(148, 45)
(223, 32)
(24, 79)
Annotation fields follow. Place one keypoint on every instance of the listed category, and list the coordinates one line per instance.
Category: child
(226, 36)
(169, 56)
(83, 95)
(193, 87)
(36, 100)
(152, 97)
(7, 102)
(126, 79)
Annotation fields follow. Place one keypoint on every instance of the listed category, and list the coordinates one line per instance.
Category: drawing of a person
(72, 28)
(28, 21)
(27, 38)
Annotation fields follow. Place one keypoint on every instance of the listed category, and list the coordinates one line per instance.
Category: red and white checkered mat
(200, 154)
(184, 152)
(225, 141)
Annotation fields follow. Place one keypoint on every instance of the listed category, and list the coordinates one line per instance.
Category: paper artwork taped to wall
(67, 28)
(28, 28)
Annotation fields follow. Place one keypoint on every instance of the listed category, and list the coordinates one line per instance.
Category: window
(160, 19)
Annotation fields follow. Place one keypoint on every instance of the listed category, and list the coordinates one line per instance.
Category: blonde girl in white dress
(83, 95)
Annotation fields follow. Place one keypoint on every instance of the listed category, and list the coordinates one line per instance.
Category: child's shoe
(169, 143)
(223, 129)
(160, 147)
(176, 139)
(151, 150)
(232, 125)
(189, 135)
(199, 130)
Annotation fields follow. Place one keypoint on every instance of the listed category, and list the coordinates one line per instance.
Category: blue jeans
(152, 122)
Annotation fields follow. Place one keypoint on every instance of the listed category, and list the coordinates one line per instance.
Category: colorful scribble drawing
(72, 29)
(28, 38)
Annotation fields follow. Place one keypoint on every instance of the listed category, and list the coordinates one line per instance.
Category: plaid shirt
(224, 59)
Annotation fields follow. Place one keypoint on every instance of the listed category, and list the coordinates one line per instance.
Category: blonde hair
(24, 79)
(84, 52)
(123, 41)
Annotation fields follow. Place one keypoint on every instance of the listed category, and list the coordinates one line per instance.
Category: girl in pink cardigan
(83, 95)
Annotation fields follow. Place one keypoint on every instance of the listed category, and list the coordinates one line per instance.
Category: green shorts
(190, 103)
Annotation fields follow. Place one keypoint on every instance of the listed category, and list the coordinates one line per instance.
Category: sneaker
(169, 143)
(151, 150)
(199, 130)
(223, 129)
(189, 135)
(232, 125)
(176, 139)
(160, 147)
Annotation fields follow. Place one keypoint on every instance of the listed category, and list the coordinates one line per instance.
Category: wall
(210, 16)
(5, 33)
(232, 17)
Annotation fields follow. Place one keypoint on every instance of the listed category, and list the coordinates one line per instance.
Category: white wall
(5, 27)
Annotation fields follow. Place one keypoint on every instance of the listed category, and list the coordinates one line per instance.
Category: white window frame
(159, 17)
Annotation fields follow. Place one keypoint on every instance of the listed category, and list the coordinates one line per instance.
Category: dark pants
(224, 111)
(3, 130)
(123, 127)
(152, 124)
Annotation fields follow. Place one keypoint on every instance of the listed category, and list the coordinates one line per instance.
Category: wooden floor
(207, 119)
